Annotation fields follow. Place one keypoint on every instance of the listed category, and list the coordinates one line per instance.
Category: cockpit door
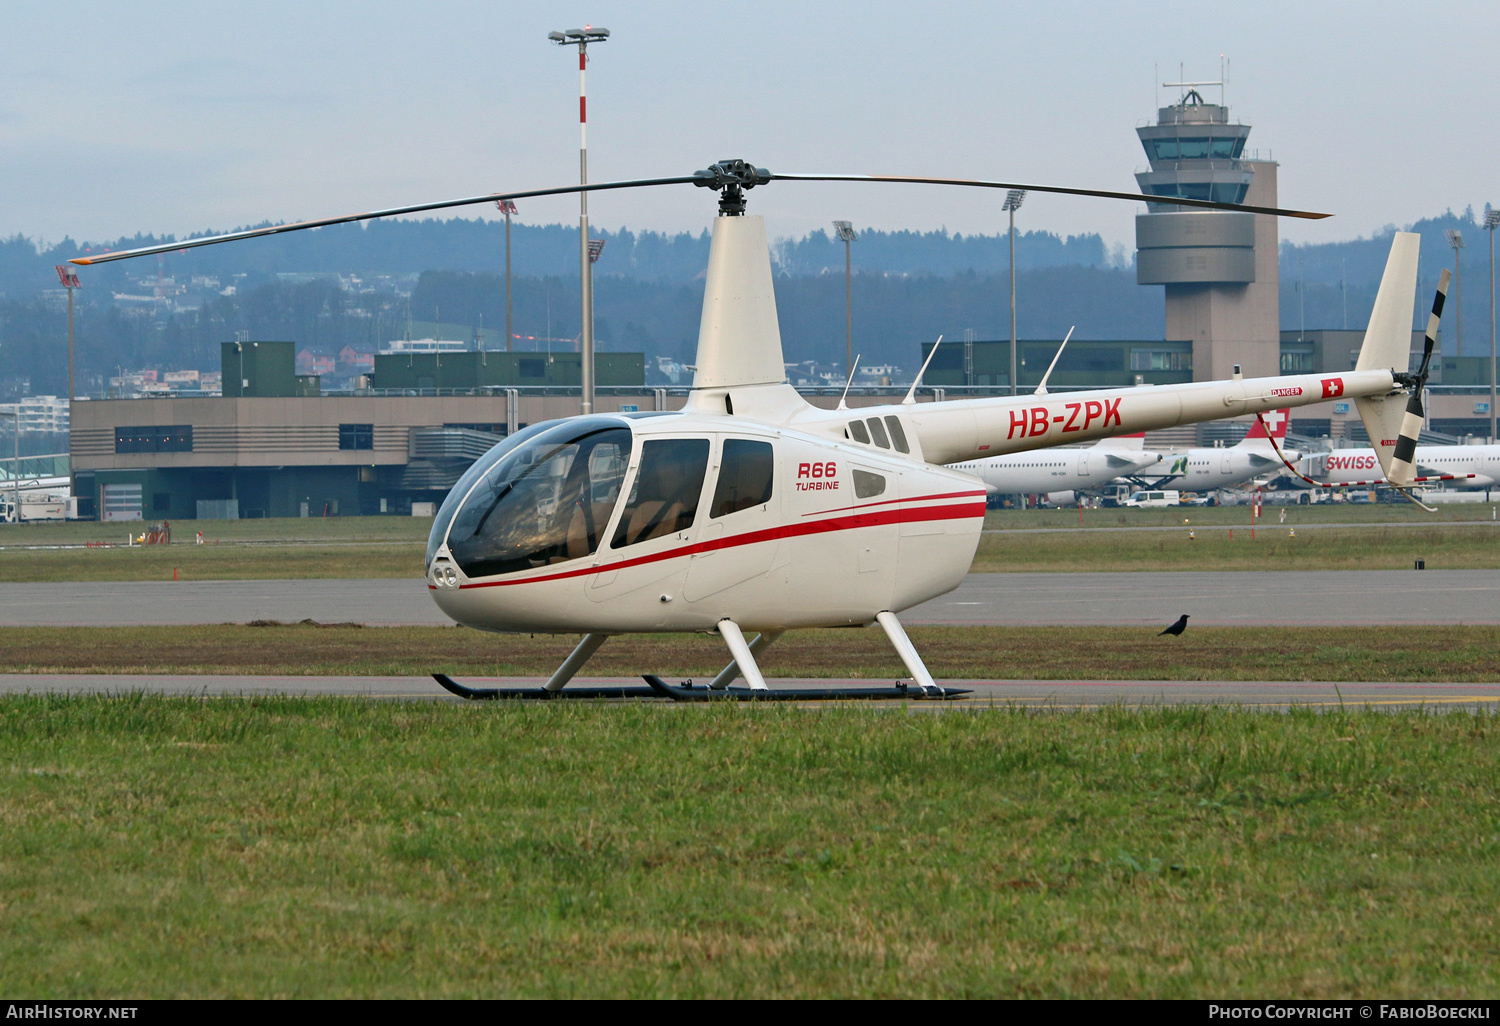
(738, 541)
(657, 522)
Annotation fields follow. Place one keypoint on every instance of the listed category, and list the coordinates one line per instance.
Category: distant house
(310, 361)
(355, 361)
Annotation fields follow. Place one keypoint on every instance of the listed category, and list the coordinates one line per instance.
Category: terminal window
(356, 436)
(1160, 359)
(154, 438)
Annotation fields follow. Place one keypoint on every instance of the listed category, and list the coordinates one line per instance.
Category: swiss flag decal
(1333, 388)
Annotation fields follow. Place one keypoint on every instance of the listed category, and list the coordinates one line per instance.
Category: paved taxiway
(1286, 597)
(1032, 694)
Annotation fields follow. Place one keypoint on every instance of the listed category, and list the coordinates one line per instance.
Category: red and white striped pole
(582, 38)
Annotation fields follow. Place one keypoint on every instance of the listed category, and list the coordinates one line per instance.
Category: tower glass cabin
(1218, 267)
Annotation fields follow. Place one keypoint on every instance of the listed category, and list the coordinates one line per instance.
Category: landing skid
(688, 693)
(485, 694)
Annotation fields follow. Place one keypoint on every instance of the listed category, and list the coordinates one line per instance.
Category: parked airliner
(1201, 470)
(1056, 471)
(1359, 466)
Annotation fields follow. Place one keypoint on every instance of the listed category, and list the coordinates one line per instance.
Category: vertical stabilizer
(1387, 346)
(739, 337)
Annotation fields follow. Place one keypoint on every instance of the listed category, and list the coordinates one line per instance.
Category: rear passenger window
(867, 485)
(877, 430)
(858, 432)
(744, 478)
(898, 435)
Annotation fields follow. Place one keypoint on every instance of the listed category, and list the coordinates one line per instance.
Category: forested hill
(408, 247)
(908, 288)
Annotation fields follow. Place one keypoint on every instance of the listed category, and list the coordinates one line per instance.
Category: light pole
(1491, 221)
(846, 235)
(1456, 240)
(1013, 200)
(15, 470)
(582, 38)
(596, 249)
(507, 207)
(70, 282)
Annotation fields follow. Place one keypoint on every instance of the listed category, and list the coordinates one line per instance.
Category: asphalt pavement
(1270, 696)
(1284, 597)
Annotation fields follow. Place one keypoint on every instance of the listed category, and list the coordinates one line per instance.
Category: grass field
(984, 653)
(1447, 547)
(368, 547)
(159, 848)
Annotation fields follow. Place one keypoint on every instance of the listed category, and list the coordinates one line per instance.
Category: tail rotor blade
(1403, 461)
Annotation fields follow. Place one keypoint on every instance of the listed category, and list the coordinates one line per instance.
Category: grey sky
(188, 116)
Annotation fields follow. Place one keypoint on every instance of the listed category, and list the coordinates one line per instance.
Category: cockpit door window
(668, 484)
(547, 501)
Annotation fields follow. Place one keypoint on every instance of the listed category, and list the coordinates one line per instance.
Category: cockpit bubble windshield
(546, 499)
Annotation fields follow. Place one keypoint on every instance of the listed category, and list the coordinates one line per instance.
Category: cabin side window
(877, 431)
(867, 485)
(745, 477)
(898, 433)
(858, 432)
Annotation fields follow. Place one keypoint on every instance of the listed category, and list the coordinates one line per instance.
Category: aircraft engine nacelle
(666, 522)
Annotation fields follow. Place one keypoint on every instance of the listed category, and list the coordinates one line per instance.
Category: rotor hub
(731, 178)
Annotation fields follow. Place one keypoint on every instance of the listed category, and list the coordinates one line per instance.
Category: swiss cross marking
(1333, 387)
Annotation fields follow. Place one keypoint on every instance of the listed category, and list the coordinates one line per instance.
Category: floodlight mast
(1456, 240)
(582, 38)
(1013, 200)
(507, 207)
(846, 236)
(70, 282)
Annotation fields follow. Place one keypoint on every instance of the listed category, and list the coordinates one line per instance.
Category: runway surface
(1270, 696)
(1022, 599)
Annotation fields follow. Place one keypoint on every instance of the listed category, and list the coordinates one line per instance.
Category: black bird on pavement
(1178, 627)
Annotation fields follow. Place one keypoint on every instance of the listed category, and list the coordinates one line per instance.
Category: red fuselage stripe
(875, 518)
(887, 502)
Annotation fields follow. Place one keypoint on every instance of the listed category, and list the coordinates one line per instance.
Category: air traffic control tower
(1219, 267)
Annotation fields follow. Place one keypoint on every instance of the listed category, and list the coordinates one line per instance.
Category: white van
(1153, 499)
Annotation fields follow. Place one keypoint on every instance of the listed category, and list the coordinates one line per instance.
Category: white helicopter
(751, 511)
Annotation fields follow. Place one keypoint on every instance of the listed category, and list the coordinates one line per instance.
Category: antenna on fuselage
(1042, 388)
(911, 394)
(852, 369)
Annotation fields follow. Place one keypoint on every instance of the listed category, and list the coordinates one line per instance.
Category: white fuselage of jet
(1056, 470)
(1348, 466)
(1199, 470)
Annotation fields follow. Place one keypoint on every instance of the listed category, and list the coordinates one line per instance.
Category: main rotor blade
(1103, 193)
(297, 226)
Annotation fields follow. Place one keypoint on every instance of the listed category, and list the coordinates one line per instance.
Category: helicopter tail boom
(972, 428)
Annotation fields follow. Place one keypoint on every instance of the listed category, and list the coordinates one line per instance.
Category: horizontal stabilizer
(1136, 441)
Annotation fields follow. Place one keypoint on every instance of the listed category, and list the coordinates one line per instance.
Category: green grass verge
(284, 529)
(1236, 516)
(1272, 548)
(299, 561)
(983, 653)
(162, 848)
